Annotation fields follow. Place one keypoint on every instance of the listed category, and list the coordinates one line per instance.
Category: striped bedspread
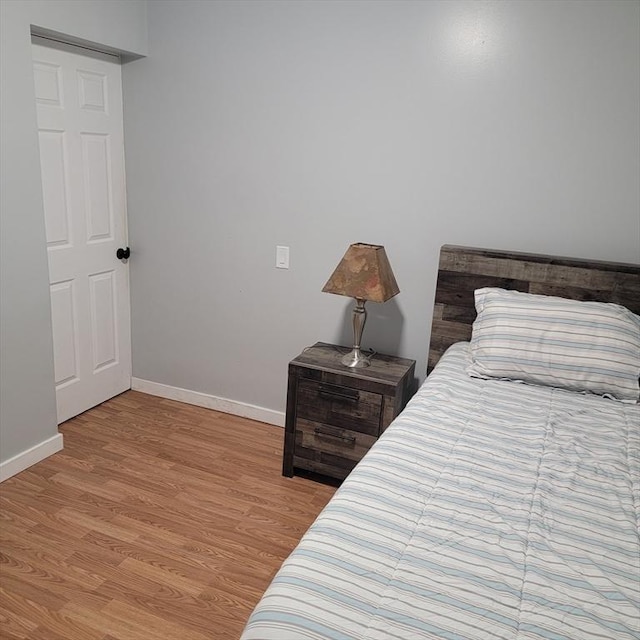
(488, 509)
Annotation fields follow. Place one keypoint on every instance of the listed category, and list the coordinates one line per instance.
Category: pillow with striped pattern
(580, 346)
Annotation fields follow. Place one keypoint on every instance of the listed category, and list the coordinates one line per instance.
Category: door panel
(103, 320)
(64, 321)
(54, 190)
(79, 105)
(98, 186)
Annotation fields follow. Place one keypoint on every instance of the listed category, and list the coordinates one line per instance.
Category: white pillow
(581, 346)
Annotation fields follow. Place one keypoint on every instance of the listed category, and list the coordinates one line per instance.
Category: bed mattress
(488, 509)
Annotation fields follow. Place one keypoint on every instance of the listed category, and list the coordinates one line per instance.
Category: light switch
(282, 257)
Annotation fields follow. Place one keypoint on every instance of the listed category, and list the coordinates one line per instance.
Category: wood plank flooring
(158, 520)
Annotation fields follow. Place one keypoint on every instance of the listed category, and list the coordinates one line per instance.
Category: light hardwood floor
(158, 520)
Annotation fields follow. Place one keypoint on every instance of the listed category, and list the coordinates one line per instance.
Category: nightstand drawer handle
(326, 434)
(330, 393)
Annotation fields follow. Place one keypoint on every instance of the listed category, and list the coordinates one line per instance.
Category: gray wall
(509, 125)
(27, 397)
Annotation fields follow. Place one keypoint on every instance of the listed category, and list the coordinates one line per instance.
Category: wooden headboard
(462, 270)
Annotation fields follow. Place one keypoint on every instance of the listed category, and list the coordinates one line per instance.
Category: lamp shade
(364, 273)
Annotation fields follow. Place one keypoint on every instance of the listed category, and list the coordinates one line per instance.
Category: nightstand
(335, 414)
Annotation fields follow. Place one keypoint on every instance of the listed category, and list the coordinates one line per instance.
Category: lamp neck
(355, 359)
(359, 318)
(360, 302)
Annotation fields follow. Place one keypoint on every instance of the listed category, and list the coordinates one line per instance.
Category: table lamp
(364, 273)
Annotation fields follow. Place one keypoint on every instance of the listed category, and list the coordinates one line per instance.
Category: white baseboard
(210, 402)
(24, 460)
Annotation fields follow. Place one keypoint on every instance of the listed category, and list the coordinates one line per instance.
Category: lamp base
(355, 359)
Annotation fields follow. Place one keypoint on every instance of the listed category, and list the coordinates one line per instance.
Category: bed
(494, 506)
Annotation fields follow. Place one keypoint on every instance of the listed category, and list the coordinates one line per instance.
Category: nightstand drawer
(345, 407)
(324, 448)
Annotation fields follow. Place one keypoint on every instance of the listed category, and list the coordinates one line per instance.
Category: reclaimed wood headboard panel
(462, 270)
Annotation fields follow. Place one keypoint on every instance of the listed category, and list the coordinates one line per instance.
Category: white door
(79, 104)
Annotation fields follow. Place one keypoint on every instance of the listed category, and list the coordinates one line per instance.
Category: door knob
(123, 254)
